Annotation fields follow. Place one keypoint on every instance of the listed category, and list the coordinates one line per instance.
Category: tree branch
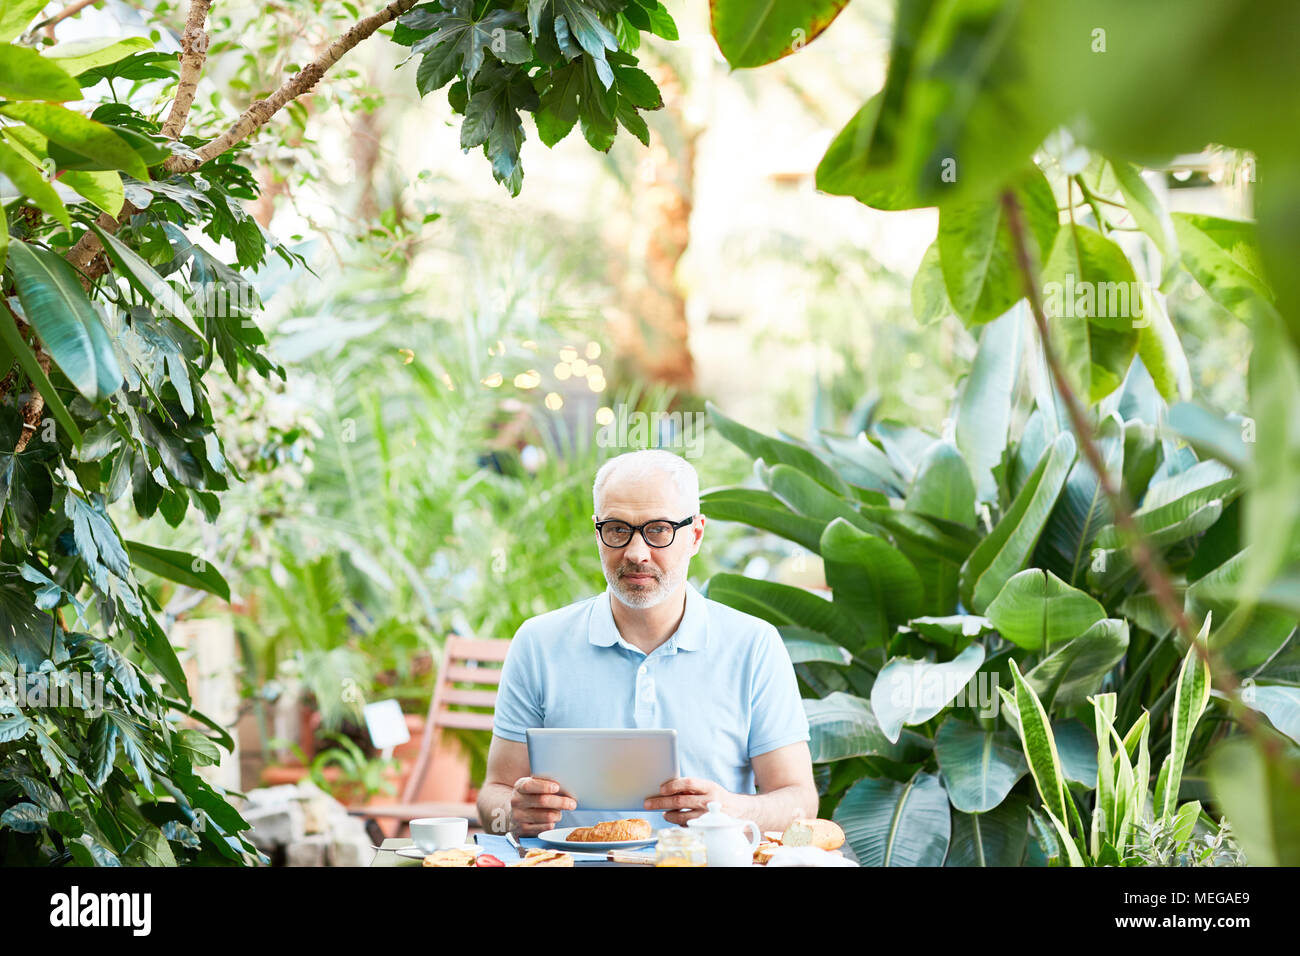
(261, 111)
(69, 11)
(194, 51)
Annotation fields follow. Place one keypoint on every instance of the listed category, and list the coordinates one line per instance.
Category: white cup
(439, 833)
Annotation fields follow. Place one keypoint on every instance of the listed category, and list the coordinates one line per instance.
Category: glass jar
(679, 846)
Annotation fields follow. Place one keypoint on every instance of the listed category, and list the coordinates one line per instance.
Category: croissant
(546, 858)
(612, 831)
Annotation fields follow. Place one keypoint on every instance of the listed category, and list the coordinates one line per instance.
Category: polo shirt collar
(692, 633)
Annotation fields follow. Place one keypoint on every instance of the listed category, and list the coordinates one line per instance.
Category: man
(651, 651)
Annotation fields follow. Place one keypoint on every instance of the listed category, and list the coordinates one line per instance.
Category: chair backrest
(464, 662)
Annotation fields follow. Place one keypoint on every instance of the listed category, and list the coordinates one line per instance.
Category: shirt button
(642, 670)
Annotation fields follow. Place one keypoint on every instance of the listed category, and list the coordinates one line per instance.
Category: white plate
(415, 853)
(557, 838)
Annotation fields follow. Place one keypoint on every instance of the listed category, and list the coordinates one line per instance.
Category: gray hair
(647, 462)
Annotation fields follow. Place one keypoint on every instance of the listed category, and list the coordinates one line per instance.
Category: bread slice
(452, 857)
(612, 831)
(763, 852)
(823, 834)
(536, 857)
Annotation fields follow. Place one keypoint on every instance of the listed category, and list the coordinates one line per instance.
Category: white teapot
(724, 838)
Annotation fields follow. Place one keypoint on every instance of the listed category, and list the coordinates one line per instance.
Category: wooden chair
(462, 663)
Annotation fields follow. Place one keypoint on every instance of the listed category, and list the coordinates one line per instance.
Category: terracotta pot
(448, 777)
(277, 774)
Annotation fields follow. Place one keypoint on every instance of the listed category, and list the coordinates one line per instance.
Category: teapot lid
(714, 818)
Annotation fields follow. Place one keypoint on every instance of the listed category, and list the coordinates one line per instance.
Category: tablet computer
(604, 769)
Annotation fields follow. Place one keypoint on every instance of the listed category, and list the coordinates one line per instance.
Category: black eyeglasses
(657, 534)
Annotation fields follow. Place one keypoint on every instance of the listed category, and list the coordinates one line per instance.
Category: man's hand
(535, 805)
(684, 798)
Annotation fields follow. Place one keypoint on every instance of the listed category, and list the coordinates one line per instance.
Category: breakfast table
(492, 843)
(500, 847)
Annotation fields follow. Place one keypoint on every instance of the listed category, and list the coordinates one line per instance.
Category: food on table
(487, 859)
(453, 857)
(823, 834)
(612, 831)
(537, 857)
(763, 852)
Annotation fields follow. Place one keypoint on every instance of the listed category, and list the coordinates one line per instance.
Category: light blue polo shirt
(723, 681)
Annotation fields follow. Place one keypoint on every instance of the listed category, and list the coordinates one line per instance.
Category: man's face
(639, 575)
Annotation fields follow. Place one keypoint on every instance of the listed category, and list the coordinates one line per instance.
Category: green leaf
(1258, 795)
(1148, 212)
(146, 281)
(578, 30)
(1093, 302)
(57, 308)
(995, 838)
(1036, 610)
(754, 32)
(1040, 747)
(909, 691)
(979, 767)
(804, 645)
(1008, 547)
(1191, 696)
(1083, 509)
(15, 15)
(810, 499)
(870, 579)
(762, 509)
(843, 726)
(179, 567)
(24, 818)
(773, 451)
(26, 75)
(80, 134)
(1223, 256)
(977, 254)
(198, 747)
(942, 487)
(458, 41)
(888, 823)
(1280, 703)
(984, 404)
(783, 605)
(29, 181)
(1076, 669)
(103, 187)
(18, 346)
(75, 57)
(929, 297)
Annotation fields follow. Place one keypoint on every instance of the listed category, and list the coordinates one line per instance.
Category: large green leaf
(1149, 213)
(977, 253)
(1083, 509)
(1245, 636)
(103, 187)
(1093, 304)
(762, 509)
(864, 160)
(804, 645)
(15, 15)
(1036, 610)
(18, 347)
(26, 75)
(32, 184)
(942, 486)
(77, 56)
(80, 134)
(1191, 695)
(1076, 669)
(870, 579)
(1259, 796)
(888, 823)
(179, 567)
(995, 838)
(773, 451)
(754, 32)
(1008, 547)
(782, 605)
(811, 499)
(1223, 256)
(908, 691)
(843, 726)
(984, 404)
(57, 307)
(979, 767)
(1039, 746)
(1280, 703)
(146, 281)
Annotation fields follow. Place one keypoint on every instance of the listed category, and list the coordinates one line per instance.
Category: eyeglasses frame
(675, 525)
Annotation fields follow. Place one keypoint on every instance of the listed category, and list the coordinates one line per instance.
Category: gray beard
(641, 600)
